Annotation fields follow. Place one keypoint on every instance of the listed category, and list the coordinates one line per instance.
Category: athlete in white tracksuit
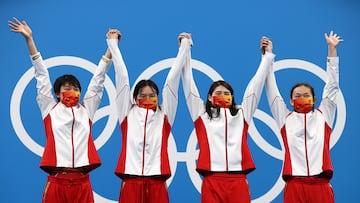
(69, 153)
(222, 130)
(143, 163)
(306, 131)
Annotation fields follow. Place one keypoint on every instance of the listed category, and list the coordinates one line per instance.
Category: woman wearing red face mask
(143, 163)
(221, 129)
(69, 154)
(307, 167)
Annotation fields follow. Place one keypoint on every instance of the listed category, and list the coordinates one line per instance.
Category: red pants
(68, 187)
(225, 188)
(308, 190)
(143, 190)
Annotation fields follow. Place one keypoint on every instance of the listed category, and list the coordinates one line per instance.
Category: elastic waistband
(226, 175)
(144, 179)
(69, 178)
(309, 180)
(65, 170)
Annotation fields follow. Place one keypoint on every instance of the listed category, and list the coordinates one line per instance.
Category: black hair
(209, 106)
(66, 79)
(302, 84)
(144, 83)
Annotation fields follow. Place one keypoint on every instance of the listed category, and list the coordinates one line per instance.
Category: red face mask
(70, 98)
(148, 102)
(223, 101)
(303, 105)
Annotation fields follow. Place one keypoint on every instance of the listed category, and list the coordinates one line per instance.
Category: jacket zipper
(72, 138)
(306, 148)
(144, 145)
(226, 141)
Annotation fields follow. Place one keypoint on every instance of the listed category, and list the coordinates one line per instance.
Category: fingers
(333, 37)
(113, 34)
(186, 35)
(183, 35)
(16, 20)
(13, 26)
(265, 45)
(265, 41)
(16, 24)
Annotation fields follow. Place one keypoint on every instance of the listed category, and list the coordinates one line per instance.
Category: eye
(217, 92)
(67, 88)
(147, 95)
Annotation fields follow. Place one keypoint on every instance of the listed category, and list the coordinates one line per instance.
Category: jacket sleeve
(171, 86)
(123, 94)
(45, 98)
(95, 88)
(193, 100)
(331, 89)
(276, 102)
(254, 89)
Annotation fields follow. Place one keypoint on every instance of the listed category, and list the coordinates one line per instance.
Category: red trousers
(225, 188)
(68, 187)
(308, 190)
(143, 190)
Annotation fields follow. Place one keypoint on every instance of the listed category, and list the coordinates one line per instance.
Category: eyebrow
(306, 93)
(224, 92)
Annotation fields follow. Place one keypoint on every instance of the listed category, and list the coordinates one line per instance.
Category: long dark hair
(209, 106)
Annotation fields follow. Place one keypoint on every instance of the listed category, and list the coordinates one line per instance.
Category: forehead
(147, 90)
(67, 84)
(302, 90)
(221, 88)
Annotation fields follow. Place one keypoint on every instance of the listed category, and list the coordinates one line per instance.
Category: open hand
(20, 27)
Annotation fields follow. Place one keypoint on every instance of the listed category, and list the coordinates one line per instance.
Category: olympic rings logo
(190, 156)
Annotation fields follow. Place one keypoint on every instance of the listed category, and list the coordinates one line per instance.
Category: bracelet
(105, 59)
(35, 56)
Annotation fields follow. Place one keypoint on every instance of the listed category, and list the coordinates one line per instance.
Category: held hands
(183, 35)
(20, 27)
(265, 45)
(113, 34)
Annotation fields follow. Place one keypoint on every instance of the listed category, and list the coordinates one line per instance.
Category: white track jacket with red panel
(306, 136)
(69, 141)
(223, 140)
(145, 132)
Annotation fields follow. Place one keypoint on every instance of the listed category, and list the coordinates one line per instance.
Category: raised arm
(331, 89)
(95, 89)
(276, 102)
(123, 95)
(193, 100)
(254, 89)
(24, 29)
(45, 98)
(171, 86)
